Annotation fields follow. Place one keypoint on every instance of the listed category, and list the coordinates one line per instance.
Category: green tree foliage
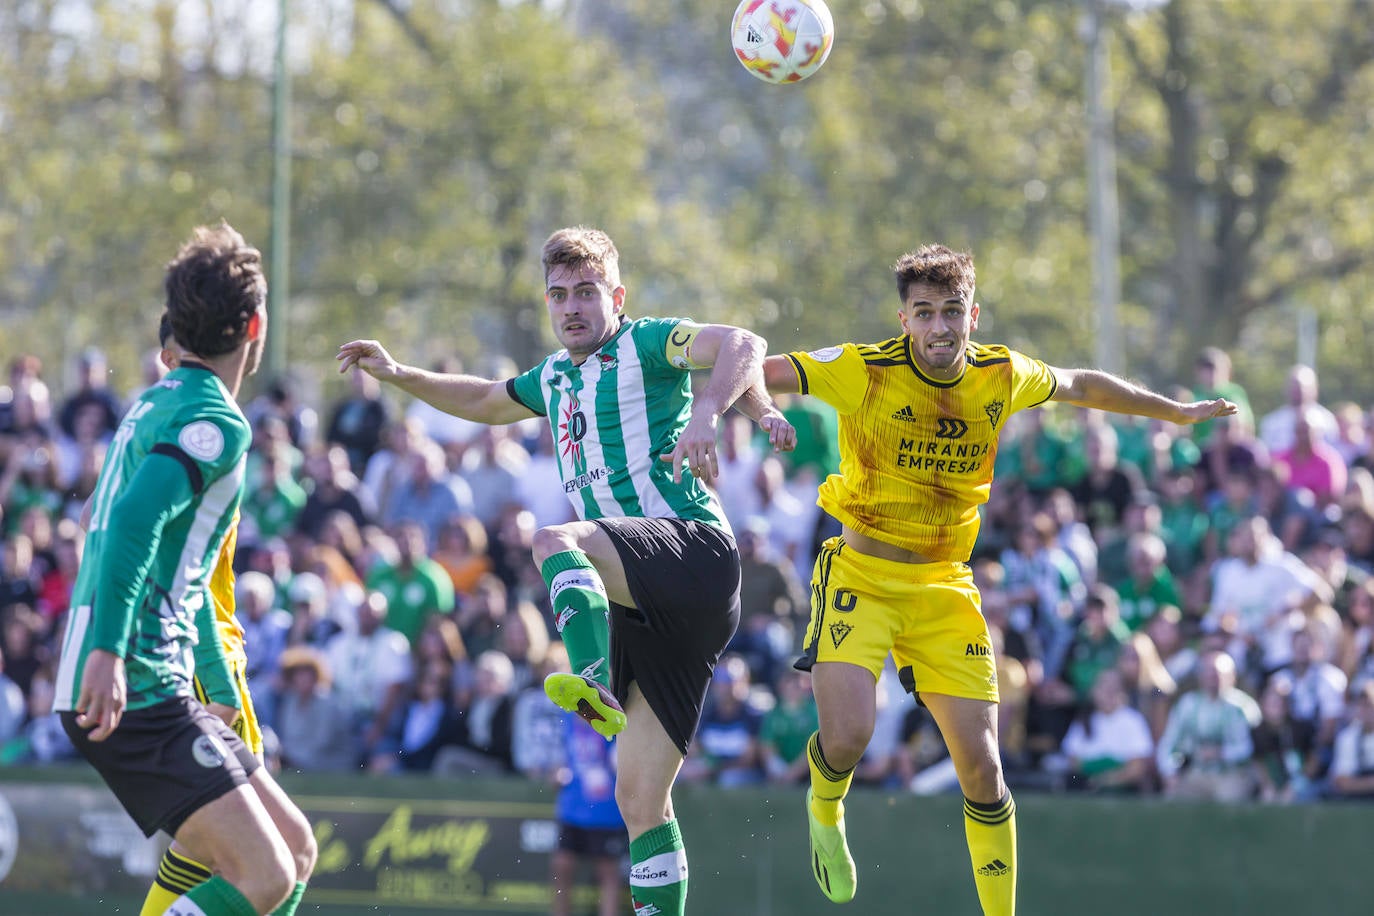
(436, 143)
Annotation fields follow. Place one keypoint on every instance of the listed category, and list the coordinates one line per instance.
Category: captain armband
(680, 341)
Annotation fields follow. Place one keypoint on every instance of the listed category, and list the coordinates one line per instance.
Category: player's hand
(781, 434)
(371, 357)
(100, 704)
(226, 714)
(1198, 411)
(698, 445)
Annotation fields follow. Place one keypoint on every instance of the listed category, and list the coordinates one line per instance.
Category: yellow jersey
(222, 593)
(916, 453)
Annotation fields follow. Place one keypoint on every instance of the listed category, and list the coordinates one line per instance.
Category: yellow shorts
(246, 725)
(928, 615)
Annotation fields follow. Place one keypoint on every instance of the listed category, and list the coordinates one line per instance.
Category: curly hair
(215, 285)
(938, 266)
(582, 246)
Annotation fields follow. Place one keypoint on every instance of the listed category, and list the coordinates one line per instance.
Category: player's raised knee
(550, 540)
(305, 851)
(265, 873)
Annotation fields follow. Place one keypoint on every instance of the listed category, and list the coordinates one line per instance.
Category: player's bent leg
(846, 702)
(294, 828)
(649, 763)
(256, 871)
(969, 728)
(583, 573)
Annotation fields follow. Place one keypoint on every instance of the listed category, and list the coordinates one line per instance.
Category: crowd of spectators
(1185, 611)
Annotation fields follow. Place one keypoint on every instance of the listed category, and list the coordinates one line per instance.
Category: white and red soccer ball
(782, 41)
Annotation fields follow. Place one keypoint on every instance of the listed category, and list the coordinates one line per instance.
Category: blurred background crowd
(1185, 611)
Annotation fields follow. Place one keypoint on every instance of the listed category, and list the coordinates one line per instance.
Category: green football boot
(830, 859)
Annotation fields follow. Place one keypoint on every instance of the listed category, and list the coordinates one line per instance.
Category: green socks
(215, 897)
(288, 908)
(658, 871)
(581, 612)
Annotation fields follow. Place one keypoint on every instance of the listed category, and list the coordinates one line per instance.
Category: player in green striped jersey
(652, 552)
(142, 622)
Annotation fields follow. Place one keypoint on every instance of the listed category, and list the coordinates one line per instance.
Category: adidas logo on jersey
(994, 869)
(905, 415)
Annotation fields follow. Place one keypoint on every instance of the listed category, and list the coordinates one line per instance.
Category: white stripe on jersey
(634, 427)
(592, 376)
(65, 689)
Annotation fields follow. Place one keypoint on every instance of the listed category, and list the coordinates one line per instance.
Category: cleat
(830, 859)
(589, 699)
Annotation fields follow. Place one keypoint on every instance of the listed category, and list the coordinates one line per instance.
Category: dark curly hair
(938, 266)
(215, 285)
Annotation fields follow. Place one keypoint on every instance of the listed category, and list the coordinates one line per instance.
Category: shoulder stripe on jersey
(890, 352)
(192, 469)
(539, 411)
(991, 361)
(801, 374)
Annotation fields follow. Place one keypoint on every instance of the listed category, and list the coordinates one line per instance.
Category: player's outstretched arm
(1104, 391)
(780, 375)
(735, 357)
(478, 399)
(759, 407)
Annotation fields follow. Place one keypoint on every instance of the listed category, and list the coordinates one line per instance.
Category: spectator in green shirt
(275, 499)
(786, 728)
(1213, 373)
(1097, 644)
(415, 586)
(1150, 585)
(1183, 523)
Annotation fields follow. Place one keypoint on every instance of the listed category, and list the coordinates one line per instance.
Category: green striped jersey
(613, 417)
(190, 417)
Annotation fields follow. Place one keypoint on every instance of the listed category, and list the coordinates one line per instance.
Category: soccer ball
(782, 41)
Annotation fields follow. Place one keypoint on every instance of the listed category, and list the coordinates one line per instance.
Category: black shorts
(594, 842)
(166, 761)
(684, 578)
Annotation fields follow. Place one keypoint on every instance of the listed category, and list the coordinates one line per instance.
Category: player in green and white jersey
(652, 552)
(142, 622)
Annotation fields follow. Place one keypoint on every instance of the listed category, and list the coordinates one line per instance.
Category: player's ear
(256, 324)
(973, 317)
(618, 297)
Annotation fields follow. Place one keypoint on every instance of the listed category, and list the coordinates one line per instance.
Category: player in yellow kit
(245, 722)
(920, 414)
(177, 873)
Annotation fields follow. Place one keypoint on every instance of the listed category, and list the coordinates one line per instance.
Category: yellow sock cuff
(180, 873)
(990, 815)
(829, 786)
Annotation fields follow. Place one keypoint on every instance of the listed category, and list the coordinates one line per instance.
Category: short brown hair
(582, 246)
(215, 285)
(939, 266)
